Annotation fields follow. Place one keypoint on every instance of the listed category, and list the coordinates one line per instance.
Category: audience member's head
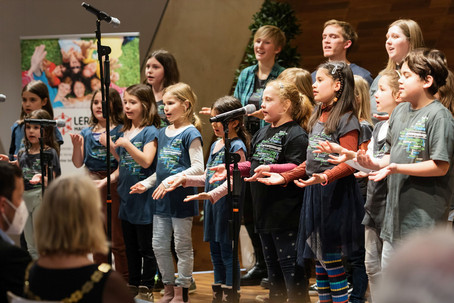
(421, 271)
(70, 220)
(12, 207)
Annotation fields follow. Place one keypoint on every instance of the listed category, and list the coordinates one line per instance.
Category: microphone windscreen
(60, 123)
(250, 108)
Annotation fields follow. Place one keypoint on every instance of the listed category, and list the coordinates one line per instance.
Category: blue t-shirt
(216, 216)
(95, 152)
(173, 157)
(17, 136)
(135, 208)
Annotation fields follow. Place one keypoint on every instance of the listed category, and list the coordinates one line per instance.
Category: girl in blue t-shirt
(216, 209)
(89, 150)
(136, 148)
(179, 153)
(29, 159)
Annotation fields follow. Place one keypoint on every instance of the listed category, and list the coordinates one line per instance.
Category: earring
(335, 99)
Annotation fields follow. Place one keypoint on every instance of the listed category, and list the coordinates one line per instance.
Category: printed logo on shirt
(169, 156)
(126, 161)
(30, 171)
(413, 139)
(313, 142)
(218, 159)
(268, 150)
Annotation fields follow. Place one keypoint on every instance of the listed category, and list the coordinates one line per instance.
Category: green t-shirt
(414, 136)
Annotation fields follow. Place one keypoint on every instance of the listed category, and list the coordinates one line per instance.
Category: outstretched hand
(271, 179)
(257, 114)
(383, 173)
(201, 196)
(314, 179)
(258, 173)
(137, 188)
(220, 173)
(178, 181)
(159, 192)
(76, 139)
(365, 160)
(205, 111)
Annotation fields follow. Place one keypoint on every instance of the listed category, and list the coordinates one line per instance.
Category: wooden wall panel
(371, 20)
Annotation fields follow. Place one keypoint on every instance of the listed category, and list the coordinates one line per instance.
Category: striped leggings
(331, 280)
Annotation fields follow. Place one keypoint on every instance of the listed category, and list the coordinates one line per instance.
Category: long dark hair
(168, 62)
(229, 103)
(40, 89)
(49, 138)
(116, 108)
(345, 97)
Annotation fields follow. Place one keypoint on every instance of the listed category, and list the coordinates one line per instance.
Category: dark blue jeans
(287, 279)
(222, 259)
(356, 270)
(139, 248)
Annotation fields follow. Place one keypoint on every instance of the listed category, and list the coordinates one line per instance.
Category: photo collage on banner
(69, 67)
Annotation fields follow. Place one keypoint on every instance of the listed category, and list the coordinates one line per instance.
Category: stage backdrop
(69, 66)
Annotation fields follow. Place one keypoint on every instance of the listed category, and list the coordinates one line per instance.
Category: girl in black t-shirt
(276, 208)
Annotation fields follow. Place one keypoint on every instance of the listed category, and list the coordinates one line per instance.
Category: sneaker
(350, 288)
(145, 294)
(193, 287)
(262, 299)
(133, 290)
(313, 290)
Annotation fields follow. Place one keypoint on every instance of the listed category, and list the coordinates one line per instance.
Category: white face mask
(20, 218)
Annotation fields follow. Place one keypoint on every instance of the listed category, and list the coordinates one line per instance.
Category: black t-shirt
(277, 208)
(253, 123)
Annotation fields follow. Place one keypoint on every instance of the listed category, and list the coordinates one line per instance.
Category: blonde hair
(303, 81)
(363, 97)
(300, 112)
(184, 92)
(392, 80)
(413, 32)
(271, 32)
(70, 220)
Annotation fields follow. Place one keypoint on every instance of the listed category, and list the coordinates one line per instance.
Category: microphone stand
(105, 51)
(233, 198)
(45, 157)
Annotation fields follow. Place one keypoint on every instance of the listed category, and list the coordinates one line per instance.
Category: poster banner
(68, 65)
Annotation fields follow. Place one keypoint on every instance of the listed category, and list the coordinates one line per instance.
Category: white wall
(55, 17)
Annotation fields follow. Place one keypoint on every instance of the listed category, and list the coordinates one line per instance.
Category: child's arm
(113, 179)
(348, 141)
(429, 168)
(143, 158)
(102, 140)
(196, 168)
(78, 149)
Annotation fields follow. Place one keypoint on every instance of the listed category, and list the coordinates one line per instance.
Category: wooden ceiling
(371, 20)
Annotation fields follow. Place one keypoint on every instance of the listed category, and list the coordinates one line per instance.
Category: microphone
(2, 98)
(101, 15)
(45, 122)
(245, 110)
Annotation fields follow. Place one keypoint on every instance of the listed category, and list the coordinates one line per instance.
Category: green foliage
(130, 63)
(283, 16)
(28, 48)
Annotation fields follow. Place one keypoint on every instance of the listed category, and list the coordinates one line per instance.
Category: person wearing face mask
(13, 215)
